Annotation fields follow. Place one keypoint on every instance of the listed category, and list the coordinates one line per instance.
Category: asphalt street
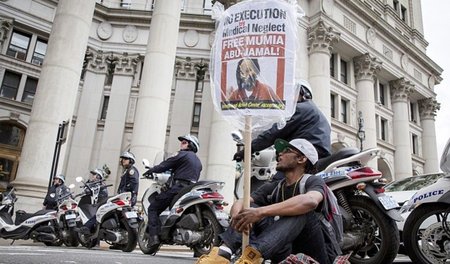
(27, 252)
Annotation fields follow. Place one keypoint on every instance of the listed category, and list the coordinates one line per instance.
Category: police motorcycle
(369, 216)
(116, 222)
(262, 169)
(67, 217)
(37, 226)
(195, 217)
(427, 228)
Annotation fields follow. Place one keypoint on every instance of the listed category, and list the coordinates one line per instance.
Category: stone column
(366, 67)
(182, 105)
(55, 95)
(111, 145)
(400, 90)
(152, 110)
(80, 153)
(320, 41)
(428, 108)
(220, 155)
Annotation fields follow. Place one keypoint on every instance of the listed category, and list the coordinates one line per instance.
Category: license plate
(130, 214)
(387, 202)
(221, 215)
(70, 216)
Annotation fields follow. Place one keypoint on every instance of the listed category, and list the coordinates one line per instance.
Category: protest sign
(253, 61)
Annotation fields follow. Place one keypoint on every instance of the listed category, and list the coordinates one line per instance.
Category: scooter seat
(340, 154)
(21, 215)
(186, 190)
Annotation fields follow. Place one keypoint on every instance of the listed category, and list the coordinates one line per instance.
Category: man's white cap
(300, 144)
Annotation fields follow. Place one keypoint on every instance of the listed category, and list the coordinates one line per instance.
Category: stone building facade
(134, 74)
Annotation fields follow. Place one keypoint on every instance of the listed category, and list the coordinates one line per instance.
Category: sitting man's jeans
(275, 240)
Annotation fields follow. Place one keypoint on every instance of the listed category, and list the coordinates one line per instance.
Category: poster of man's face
(247, 72)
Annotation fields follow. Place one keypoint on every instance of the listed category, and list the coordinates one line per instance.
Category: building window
(196, 115)
(29, 91)
(10, 85)
(383, 129)
(381, 94)
(344, 110)
(18, 47)
(125, 3)
(39, 52)
(104, 107)
(403, 13)
(415, 144)
(10, 135)
(332, 70)
(333, 105)
(413, 112)
(344, 75)
(396, 5)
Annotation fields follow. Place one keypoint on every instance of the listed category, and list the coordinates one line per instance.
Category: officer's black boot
(152, 241)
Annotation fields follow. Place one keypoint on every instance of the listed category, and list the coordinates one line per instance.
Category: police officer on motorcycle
(185, 168)
(129, 182)
(50, 200)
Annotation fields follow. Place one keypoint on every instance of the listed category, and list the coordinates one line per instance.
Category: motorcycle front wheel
(86, 240)
(71, 240)
(131, 238)
(426, 236)
(143, 240)
(211, 231)
(382, 238)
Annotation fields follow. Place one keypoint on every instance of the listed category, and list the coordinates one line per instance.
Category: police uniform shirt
(185, 165)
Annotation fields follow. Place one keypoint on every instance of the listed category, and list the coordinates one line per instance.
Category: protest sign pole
(247, 170)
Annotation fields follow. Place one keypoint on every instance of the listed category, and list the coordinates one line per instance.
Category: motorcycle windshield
(62, 194)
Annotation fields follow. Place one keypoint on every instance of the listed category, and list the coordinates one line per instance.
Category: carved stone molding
(97, 61)
(400, 90)
(321, 38)
(428, 108)
(5, 27)
(366, 67)
(125, 64)
(371, 34)
(188, 68)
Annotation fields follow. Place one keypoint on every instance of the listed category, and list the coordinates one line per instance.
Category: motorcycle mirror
(146, 162)
(237, 136)
(71, 186)
(79, 179)
(52, 195)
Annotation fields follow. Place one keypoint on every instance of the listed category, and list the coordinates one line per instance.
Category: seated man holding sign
(280, 215)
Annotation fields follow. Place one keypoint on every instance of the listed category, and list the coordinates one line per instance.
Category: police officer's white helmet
(61, 177)
(194, 145)
(128, 155)
(99, 173)
(304, 89)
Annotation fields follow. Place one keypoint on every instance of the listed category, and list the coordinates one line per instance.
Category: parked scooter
(38, 226)
(370, 229)
(195, 217)
(67, 215)
(369, 216)
(427, 228)
(116, 222)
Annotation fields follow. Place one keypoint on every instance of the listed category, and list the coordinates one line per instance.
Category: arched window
(11, 140)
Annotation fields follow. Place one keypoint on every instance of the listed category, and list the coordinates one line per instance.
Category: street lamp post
(361, 132)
